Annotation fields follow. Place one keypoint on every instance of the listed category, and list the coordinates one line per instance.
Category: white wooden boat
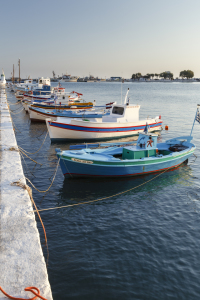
(123, 121)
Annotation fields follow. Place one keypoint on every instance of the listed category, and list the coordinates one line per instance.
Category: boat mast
(13, 75)
(19, 69)
(125, 100)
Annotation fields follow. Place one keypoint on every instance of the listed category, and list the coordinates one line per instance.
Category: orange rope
(28, 289)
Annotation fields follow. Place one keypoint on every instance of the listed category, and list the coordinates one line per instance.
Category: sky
(101, 38)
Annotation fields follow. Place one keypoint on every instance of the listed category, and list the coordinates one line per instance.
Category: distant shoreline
(125, 80)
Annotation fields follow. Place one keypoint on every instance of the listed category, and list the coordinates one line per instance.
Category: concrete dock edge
(22, 262)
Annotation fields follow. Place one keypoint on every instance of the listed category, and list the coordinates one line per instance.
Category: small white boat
(28, 84)
(123, 121)
(3, 80)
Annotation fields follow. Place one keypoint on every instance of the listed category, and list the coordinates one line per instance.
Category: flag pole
(197, 111)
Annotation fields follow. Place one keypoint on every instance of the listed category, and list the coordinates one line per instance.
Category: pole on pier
(13, 79)
(19, 69)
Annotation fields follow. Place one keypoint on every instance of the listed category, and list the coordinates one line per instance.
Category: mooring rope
(51, 182)
(96, 200)
(38, 149)
(28, 170)
(15, 113)
(10, 103)
(30, 157)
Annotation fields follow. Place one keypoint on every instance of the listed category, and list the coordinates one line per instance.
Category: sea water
(140, 244)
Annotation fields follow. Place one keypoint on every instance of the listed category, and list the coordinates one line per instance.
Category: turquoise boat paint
(146, 157)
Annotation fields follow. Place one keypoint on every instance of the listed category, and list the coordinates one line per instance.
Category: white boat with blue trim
(123, 121)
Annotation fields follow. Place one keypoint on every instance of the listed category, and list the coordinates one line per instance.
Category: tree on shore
(166, 75)
(187, 74)
(147, 76)
(138, 76)
(133, 76)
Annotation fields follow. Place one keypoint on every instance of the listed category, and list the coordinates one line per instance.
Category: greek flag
(146, 128)
(55, 98)
(198, 116)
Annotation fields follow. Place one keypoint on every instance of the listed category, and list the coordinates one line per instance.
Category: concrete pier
(22, 262)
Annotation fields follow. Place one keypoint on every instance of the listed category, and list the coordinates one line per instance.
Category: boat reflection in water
(88, 189)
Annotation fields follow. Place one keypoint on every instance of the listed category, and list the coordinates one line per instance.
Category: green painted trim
(130, 163)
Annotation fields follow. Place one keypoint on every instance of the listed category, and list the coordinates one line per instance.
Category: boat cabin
(123, 113)
(146, 147)
(43, 81)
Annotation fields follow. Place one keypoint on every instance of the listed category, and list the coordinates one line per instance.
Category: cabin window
(118, 110)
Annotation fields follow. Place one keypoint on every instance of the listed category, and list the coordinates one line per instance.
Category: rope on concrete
(28, 289)
(29, 190)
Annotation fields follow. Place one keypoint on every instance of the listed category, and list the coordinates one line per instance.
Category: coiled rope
(28, 289)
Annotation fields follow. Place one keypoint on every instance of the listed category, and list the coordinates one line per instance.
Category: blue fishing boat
(41, 94)
(120, 159)
(50, 105)
(39, 114)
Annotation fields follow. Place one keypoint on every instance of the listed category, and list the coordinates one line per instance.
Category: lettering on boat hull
(82, 161)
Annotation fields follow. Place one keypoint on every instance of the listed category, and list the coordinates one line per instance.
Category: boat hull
(74, 106)
(76, 130)
(75, 167)
(40, 115)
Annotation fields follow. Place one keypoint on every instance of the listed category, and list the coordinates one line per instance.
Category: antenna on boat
(13, 79)
(122, 81)
(125, 100)
(19, 69)
(121, 92)
(197, 118)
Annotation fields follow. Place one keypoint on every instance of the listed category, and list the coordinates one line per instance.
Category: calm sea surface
(143, 244)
